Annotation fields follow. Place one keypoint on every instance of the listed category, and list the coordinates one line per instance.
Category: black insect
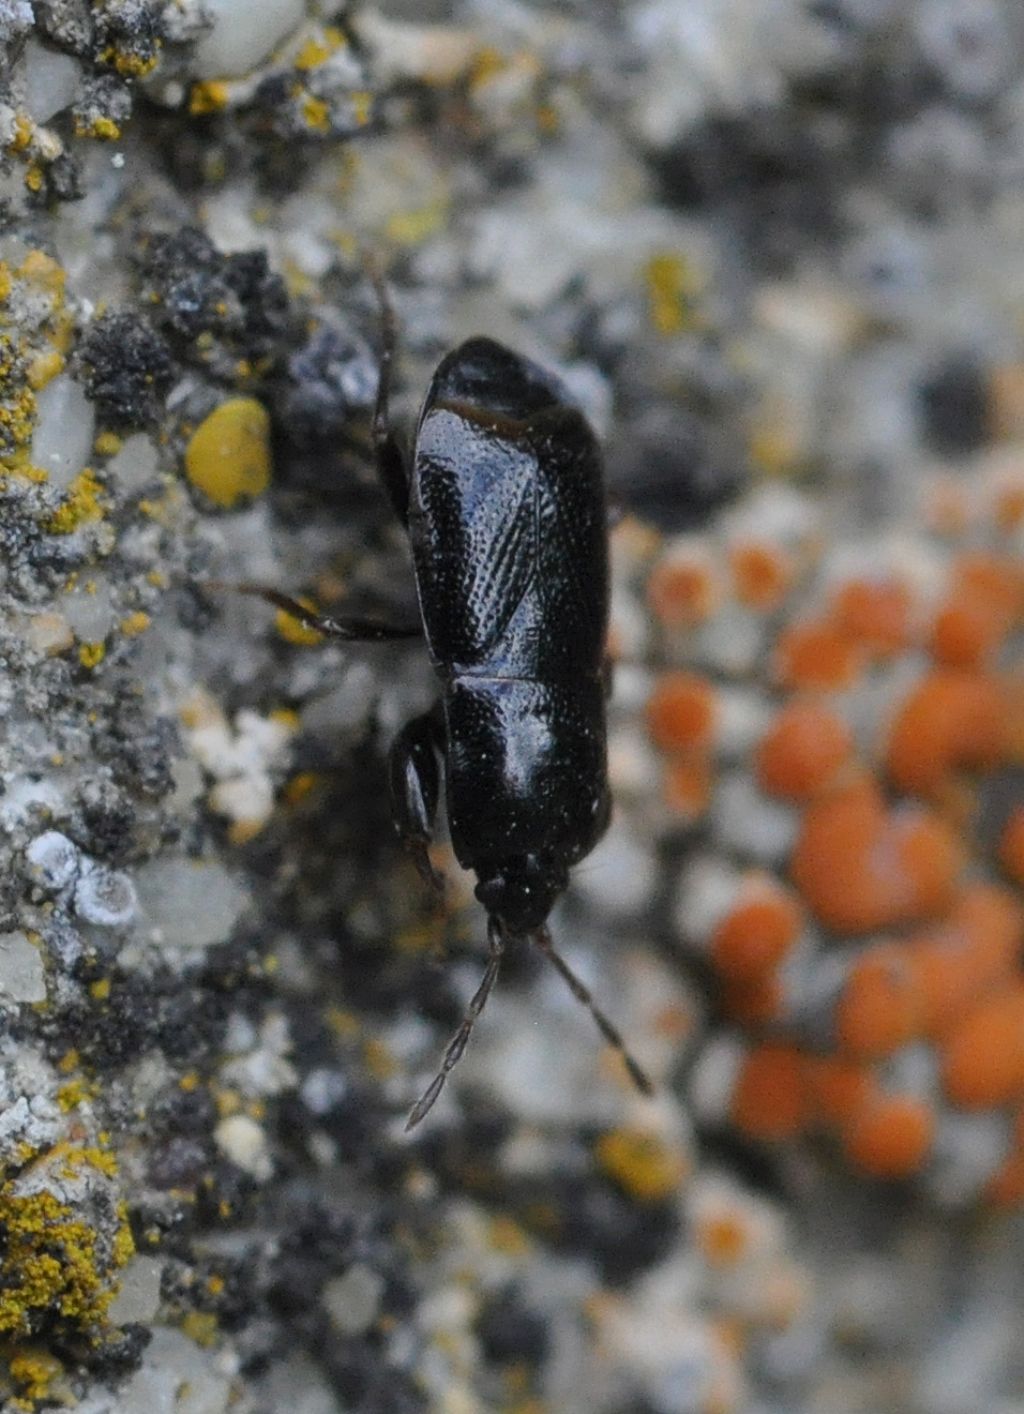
(503, 499)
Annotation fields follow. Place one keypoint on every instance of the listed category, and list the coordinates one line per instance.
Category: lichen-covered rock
(770, 249)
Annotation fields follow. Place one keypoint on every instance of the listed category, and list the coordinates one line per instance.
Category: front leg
(415, 782)
(352, 629)
(392, 468)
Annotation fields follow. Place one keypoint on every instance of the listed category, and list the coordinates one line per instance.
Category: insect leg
(415, 784)
(352, 628)
(391, 465)
(639, 1077)
(452, 1056)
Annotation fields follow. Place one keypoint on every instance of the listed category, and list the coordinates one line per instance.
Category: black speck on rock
(67, 23)
(954, 406)
(63, 179)
(236, 301)
(592, 1218)
(673, 468)
(334, 373)
(128, 27)
(509, 1331)
(127, 368)
(776, 183)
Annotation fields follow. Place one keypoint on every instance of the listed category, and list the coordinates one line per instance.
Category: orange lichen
(818, 656)
(770, 1098)
(762, 574)
(681, 712)
(950, 720)
(891, 1137)
(1011, 846)
(966, 955)
(966, 633)
(992, 579)
(1005, 1189)
(838, 1088)
(681, 592)
(877, 1011)
(983, 1054)
(1008, 510)
(802, 750)
(886, 829)
(687, 785)
(756, 934)
(641, 1163)
(862, 867)
(874, 613)
(722, 1237)
(752, 1003)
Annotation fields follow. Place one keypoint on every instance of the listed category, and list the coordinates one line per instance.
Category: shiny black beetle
(503, 500)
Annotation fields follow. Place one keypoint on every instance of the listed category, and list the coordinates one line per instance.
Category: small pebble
(352, 1300)
(243, 1141)
(22, 978)
(235, 44)
(62, 441)
(105, 897)
(53, 859)
(138, 1300)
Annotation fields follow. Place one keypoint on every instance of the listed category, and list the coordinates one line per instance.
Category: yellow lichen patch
(379, 1061)
(228, 455)
(34, 1372)
(319, 47)
(286, 717)
(107, 444)
(128, 63)
(362, 106)
(208, 97)
(6, 282)
(44, 367)
(23, 130)
(411, 227)
(200, 1326)
(35, 475)
(43, 271)
(641, 1163)
(90, 655)
(17, 402)
(134, 624)
(671, 287)
(343, 1023)
(241, 832)
(316, 114)
(52, 1263)
(74, 1160)
(102, 128)
(72, 1094)
(488, 63)
(100, 989)
(294, 630)
(83, 503)
(300, 787)
(508, 1237)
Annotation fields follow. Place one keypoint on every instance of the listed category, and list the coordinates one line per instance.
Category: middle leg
(415, 782)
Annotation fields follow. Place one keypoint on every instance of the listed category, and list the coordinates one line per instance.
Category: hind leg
(414, 778)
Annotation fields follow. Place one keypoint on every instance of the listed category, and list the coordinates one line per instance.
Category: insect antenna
(637, 1074)
(456, 1046)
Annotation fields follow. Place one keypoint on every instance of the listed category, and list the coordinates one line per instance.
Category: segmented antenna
(389, 337)
(353, 628)
(456, 1046)
(639, 1077)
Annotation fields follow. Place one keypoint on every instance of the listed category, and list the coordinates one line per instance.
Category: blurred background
(775, 251)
